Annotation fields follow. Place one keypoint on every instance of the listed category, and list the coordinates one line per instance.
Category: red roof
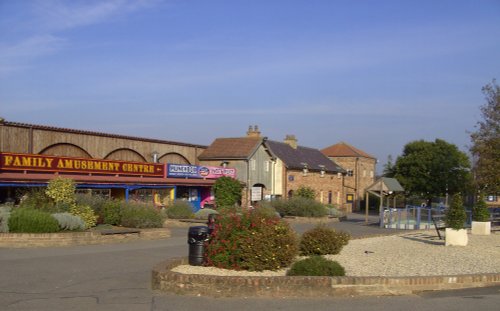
(231, 148)
(345, 150)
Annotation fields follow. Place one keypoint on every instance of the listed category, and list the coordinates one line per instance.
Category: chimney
(291, 141)
(253, 131)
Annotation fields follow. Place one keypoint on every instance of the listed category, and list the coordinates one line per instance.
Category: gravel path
(409, 254)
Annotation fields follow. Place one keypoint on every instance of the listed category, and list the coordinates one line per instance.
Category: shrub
(85, 213)
(480, 211)
(316, 266)
(227, 191)
(305, 192)
(203, 213)
(4, 218)
(61, 190)
(138, 215)
(35, 198)
(95, 202)
(455, 215)
(322, 241)
(68, 221)
(32, 221)
(334, 211)
(180, 210)
(266, 211)
(112, 212)
(250, 241)
(299, 206)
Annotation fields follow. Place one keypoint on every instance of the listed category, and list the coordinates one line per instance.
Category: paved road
(117, 277)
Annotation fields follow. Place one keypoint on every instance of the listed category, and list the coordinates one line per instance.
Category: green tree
(389, 168)
(227, 191)
(305, 192)
(456, 215)
(486, 142)
(431, 169)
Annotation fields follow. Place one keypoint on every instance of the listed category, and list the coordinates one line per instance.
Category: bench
(439, 224)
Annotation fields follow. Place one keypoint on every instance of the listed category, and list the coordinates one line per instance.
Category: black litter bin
(197, 236)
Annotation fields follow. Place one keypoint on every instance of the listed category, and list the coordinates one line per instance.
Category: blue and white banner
(196, 171)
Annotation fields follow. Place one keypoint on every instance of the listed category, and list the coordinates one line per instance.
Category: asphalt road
(118, 277)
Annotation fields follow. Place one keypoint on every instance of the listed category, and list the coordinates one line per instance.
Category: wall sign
(43, 163)
(256, 194)
(196, 171)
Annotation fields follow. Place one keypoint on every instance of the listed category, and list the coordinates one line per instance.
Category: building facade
(360, 167)
(114, 165)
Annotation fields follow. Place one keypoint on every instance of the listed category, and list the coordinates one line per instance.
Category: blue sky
(375, 74)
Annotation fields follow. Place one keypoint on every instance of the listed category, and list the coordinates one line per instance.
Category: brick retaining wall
(297, 286)
(24, 240)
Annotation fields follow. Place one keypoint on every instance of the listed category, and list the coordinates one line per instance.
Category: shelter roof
(385, 184)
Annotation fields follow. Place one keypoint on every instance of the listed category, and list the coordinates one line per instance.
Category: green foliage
(85, 213)
(266, 211)
(112, 212)
(95, 202)
(316, 266)
(480, 211)
(305, 192)
(430, 168)
(251, 241)
(32, 221)
(61, 191)
(203, 213)
(299, 206)
(334, 211)
(35, 198)
(4, 218)
(69, 222)
(180, 210)
(227, 191)
(486, 142)
(456, 215)
(322, 240)
(139, 215)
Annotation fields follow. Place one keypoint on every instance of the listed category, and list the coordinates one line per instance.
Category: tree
(432, 169)
(227, 191)
(389, 168)
(486, 142)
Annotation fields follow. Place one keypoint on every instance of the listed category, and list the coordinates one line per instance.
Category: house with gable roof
(277, 168)
(360, 168)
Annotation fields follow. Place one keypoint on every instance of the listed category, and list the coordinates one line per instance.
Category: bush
(202, 214)
(4, 218)
(299, 206)
(250, 241)
(32, 221)
(35, 198)
(95, 202)
(323, 241)
(316, 266)
(456, 215)
(61, 190)
(85, 213)
(266, 211)
(305, 192)
(139, 215)
(112, 212)
(227, 191)
(480, 211)
(334, 211)
(180, 210)
(68, 221)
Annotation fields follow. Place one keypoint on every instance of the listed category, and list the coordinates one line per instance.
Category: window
(364, 173)
(253, 165)
(266, 166)
(350, 172)
(371, 174)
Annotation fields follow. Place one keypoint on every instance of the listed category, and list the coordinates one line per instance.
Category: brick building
(360, 167)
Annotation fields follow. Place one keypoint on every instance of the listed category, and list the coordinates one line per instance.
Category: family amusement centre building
(117, 166)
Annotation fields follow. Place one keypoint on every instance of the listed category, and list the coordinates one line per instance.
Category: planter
(481, 227)
(456, 237)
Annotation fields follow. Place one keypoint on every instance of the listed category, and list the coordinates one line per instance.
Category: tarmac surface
(118, 277)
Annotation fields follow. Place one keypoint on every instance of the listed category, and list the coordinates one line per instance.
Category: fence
(413, 217)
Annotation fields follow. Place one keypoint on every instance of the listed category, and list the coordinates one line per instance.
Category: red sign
(36, 162)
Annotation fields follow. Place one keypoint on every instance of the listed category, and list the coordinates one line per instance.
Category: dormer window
(305, 169)
(322, 171)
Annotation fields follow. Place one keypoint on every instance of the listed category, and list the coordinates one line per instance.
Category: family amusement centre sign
(195, 171)
(43, 163)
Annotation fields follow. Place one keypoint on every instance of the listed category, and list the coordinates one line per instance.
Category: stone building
(271, 169)
(360, 167)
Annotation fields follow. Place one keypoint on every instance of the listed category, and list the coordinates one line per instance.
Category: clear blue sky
(375, 74)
